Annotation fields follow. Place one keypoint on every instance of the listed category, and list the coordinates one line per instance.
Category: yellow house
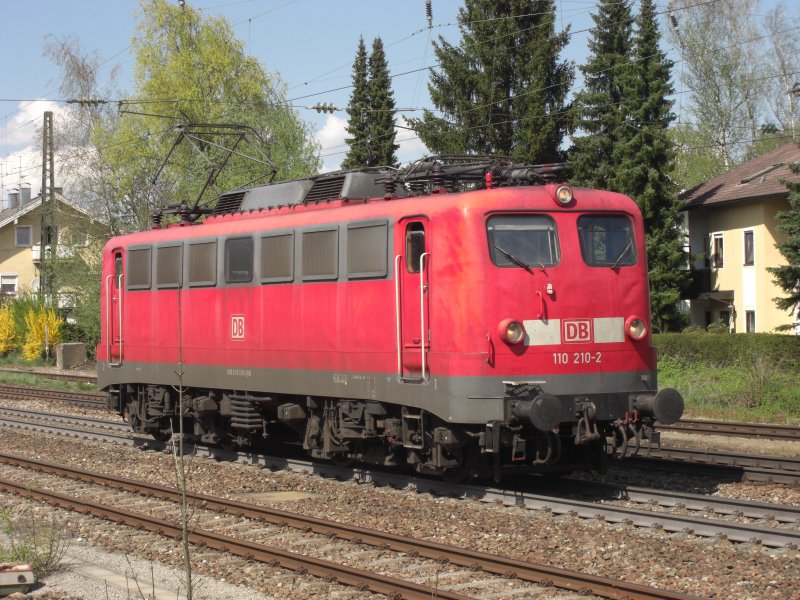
(20, 237)
(732, 227)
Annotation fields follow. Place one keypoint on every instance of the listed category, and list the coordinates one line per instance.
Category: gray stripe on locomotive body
(463, 399)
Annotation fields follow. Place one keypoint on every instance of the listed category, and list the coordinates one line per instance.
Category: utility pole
(47, 226)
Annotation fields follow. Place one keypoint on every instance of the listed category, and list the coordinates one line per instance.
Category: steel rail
(678, 499)
(636, 517)
(330, 571)
(66, 419)
(747, 462)
(66, 376)
(725, 428)
(498, 565)
(20, 392)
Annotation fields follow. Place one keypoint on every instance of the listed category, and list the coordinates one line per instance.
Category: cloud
(411, 146)
(331, 140)
(21, 139)
(24, 125)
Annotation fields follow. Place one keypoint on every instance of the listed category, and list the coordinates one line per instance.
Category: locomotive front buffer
(559, 424)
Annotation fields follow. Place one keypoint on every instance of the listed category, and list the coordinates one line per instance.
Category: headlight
(511, 331)
(635, 328)
(564, 195)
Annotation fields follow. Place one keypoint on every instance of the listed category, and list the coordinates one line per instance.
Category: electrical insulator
(429, 12)
(674, 21)
(323, 107)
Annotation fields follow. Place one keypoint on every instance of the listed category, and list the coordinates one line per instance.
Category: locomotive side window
(607, 241)
(139, 268)
(415, 246)
(366, 251)
(523, 241)
(239, 260)
(117, 269)
(169, 260)
(202, 264)
(277, 258)
(320, 255)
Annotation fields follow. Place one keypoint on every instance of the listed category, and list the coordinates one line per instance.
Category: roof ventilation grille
(229, 203)
(328, 188)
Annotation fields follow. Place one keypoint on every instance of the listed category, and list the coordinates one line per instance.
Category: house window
(725, 317)
(717, 251)
(748, 248)
(8, 285)
(750, 321)
(24, 236)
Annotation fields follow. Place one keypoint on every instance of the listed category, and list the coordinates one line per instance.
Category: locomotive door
(412, 266)
(114, 294)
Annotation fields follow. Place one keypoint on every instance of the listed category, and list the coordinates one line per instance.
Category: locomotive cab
(566, 289)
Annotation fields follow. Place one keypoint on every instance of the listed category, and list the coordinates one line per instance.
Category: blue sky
(310, 43)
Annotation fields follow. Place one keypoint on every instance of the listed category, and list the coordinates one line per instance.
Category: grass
(753, 390)
(14, 361)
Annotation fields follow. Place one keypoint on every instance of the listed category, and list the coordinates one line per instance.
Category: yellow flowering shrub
(8, 338)
(43, 332)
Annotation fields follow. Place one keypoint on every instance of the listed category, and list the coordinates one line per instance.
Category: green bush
(720, 350)
(747, 376)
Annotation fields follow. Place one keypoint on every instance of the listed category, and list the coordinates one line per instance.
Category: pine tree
(381, 110)
(600, 110)
(788, 276)
(642, 164)
(502, 90)
(357, 124)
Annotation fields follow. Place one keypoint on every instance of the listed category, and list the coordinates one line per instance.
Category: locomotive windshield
(607, 241)
(523, 241)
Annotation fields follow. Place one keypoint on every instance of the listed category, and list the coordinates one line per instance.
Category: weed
(40, 540)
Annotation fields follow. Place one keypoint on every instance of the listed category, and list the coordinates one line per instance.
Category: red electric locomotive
(461, 316)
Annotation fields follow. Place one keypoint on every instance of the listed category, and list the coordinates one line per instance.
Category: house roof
(753, 180)
(10, 214)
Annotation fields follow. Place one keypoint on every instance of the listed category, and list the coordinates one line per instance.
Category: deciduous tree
(191, 69)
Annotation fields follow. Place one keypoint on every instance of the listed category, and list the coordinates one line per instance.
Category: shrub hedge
(719, 350)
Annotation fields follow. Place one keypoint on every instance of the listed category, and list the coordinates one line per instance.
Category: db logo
(576, 330)
(237, 327)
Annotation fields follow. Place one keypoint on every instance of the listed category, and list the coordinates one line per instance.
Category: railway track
(725, 428)
(56, 375)
(770, 525)
(24, 392)
(699, 426)
(442, 553)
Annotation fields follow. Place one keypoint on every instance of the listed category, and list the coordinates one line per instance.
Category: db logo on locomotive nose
(576, 331)
(237, 327)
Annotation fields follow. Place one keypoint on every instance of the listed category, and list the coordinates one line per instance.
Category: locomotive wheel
(455, 475)
(345, 461)
(162, 435)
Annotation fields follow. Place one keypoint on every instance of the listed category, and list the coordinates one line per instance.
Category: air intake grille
(229, 203)
(325, 189)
